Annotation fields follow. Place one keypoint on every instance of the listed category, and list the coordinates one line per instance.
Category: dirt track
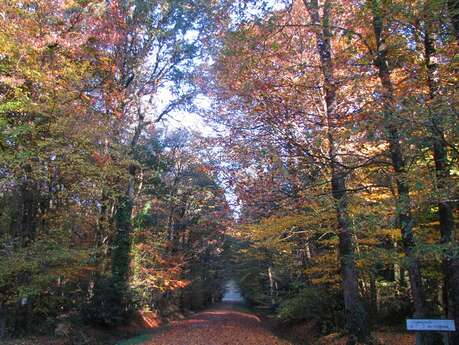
(222, 325)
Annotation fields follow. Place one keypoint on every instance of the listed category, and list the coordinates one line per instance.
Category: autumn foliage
(327, 186)
(342, 143)
(102, 212)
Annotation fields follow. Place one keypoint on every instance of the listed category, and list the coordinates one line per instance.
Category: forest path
(225, 324)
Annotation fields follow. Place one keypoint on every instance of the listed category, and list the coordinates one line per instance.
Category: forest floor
(232, 324)
(224, 324)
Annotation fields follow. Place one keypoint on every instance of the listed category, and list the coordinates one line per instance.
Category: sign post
(423, 325)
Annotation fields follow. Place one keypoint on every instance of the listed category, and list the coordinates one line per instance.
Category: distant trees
(183, 225)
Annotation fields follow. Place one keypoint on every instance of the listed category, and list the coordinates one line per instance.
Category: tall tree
(404, 213)
(356, 318)
(442, 164)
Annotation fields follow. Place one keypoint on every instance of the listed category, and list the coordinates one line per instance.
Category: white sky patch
(190, 121)
(177, 119)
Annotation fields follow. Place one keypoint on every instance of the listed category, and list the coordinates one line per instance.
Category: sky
(182, 119)
(191, 120)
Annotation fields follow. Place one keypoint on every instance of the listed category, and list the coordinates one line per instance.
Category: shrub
(104, 308)
(394, 304)
(319, 305)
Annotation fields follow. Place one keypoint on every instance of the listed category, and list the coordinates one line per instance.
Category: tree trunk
(121, 253)
(356, 318)
(373, 295)
(2, 322)
(398, 163)
(122, 243)
(453, 301)
(29, 210)
(271, 287)
(442, 172)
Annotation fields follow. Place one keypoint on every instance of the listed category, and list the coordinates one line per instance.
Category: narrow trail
(224, 324)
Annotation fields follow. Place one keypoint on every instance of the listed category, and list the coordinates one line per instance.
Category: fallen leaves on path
(224, 325)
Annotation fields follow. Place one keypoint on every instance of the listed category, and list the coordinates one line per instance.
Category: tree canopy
(327, 187)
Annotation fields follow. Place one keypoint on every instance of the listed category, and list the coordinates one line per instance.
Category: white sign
(430, 325)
